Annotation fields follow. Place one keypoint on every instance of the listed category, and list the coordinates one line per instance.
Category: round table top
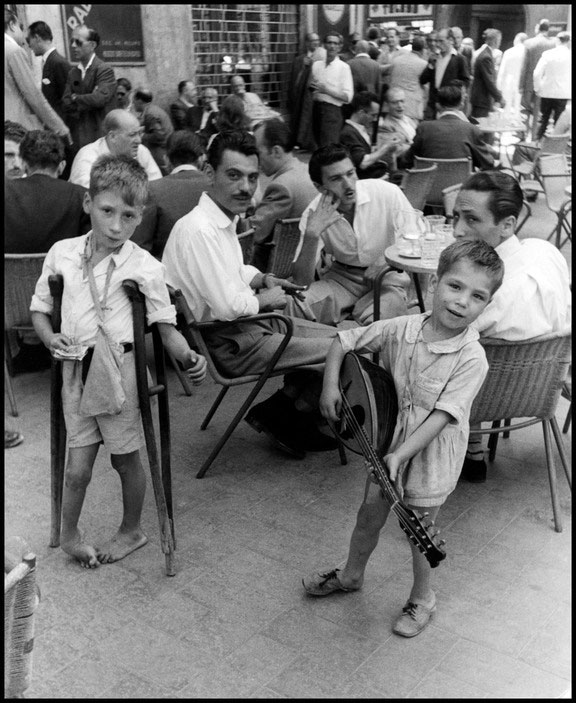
(500, 127)
(412, 265)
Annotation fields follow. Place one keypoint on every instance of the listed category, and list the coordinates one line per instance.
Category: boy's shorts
(122, 433)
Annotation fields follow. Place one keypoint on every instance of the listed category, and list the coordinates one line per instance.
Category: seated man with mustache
(353, 221)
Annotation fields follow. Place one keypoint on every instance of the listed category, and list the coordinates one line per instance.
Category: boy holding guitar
(438, 366)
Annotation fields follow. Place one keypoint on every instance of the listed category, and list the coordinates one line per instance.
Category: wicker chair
(450, 172)
(285, 239)
(193, 332)
(246, 240)
(21, 271)
(525, 380)
(21, 598)
(555, 175)
(416, 185)
(525, 157)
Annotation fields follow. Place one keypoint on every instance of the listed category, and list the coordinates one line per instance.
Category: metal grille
(257, 42)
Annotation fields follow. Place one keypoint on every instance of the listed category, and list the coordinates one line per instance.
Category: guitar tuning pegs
(425, 515)
(442, 542)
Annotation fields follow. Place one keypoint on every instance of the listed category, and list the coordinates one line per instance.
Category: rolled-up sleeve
(42, 300)
(152, 281)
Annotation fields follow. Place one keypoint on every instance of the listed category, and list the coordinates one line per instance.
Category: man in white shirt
(353, 221)
(123, 135)
(332, 85)
(534, 298)
(553, 81)
(204, 260)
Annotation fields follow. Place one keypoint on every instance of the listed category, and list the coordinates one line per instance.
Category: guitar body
(366, 426)
(371, 394)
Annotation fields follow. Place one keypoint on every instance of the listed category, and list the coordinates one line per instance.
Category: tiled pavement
(235, 623)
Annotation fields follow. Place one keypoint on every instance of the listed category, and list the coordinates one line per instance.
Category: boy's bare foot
(87, 555)
(122, 544)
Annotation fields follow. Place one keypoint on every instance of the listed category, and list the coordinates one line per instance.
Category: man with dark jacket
(55, 68)
(484, 93)
(175, 195)
(41, 209)
(442, 69)
(450, 136)
(90, 89)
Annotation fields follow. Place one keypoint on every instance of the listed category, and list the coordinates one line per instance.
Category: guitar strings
(370, 454)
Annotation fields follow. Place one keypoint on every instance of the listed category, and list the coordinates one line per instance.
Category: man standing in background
(553, 81)
(90, 89)
(23, 100)
(534, 48)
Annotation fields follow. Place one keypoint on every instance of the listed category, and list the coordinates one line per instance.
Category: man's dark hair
(42, 149)
(543, 26)
(449, 96)
(362, 101)
(14, 131)
(276, 133)
(505, 192)
(418, 43)
(182, 85)
(333, 34)
(144, 95)
(184, 147)
(373, 34)
(40, 29)
(325, 156)
(124, 82)
(233, 140)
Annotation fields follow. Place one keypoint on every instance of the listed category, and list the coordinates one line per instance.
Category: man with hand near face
(353, 221)
(204, 260)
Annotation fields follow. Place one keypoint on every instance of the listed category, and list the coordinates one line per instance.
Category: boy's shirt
(79, 317)
(444, 375)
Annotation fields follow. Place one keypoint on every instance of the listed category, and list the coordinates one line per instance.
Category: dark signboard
(119, 27)
(333, 18)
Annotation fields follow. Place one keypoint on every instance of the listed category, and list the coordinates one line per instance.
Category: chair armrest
(377, 289)
(56, 285)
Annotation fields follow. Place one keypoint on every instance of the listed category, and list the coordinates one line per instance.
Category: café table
(413, 265)
(498, 127)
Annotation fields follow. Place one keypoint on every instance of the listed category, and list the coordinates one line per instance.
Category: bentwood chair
(449, 172)
(555, 175)
(525, 380)
(417, 183)
(21, 599)
(194, 333)
(159, 470)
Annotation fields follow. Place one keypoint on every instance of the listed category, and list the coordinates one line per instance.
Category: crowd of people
(161, 196)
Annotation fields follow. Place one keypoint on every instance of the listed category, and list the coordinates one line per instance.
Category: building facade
(160, 45)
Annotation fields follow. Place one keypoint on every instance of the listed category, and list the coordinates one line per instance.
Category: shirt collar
(118, 257)
(183, 167)
(46, 54)
(81, 65)
(363, 53)
(456, 113)
(360, 128)
(213, 211)
(444, 346)
(508, 246)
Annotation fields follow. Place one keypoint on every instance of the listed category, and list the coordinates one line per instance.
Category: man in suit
(289, 190)
(534, 48)
(450, 136)
(157, 126)
(23, 100)
(442, 69)
(484, 93)
(405, 74)
(300, 97)
(463, 49)
(41, 209)
(90, 89)
(186, 100)
(173, 196)
(201, 118)
(365, 71)
(356, 137)
(55, 68)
